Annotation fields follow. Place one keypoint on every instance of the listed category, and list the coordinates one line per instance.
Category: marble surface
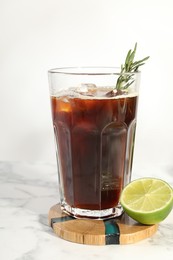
(28, 190)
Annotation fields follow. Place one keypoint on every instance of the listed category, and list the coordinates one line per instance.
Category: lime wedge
(147, 200)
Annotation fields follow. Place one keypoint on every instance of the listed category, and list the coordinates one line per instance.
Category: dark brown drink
(94, 136)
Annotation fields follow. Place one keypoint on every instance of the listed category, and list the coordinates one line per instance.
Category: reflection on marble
(28, 190)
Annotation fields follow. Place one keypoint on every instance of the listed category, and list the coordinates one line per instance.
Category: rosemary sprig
(125, 80)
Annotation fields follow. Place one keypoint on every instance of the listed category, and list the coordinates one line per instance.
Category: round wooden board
(122, 230)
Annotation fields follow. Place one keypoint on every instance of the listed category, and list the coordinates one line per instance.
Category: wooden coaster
(122, 230)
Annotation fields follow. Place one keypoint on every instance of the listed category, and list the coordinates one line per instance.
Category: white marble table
(28, 190)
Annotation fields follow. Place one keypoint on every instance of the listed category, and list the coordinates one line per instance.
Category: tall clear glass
(94, 126)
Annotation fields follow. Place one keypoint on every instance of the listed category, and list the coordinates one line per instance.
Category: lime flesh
(147, 200)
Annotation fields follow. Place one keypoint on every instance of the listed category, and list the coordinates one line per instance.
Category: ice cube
(65, 99)
(87, 89)
(82, 88)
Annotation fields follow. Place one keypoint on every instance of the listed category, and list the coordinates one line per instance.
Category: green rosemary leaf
(137, 66)
(128, 85)
(127, 59)
(133, 54)
(138, 62)
(125, 80)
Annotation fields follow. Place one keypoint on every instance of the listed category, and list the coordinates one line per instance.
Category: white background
(36, 35)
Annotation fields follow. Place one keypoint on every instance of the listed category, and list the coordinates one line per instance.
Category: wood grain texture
(121, 230)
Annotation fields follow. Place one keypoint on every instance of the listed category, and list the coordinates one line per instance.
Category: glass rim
(81, 71)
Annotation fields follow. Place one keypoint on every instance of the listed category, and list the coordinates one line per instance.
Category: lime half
(147, 200)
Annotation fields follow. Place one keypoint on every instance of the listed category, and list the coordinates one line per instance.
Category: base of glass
(92, 214)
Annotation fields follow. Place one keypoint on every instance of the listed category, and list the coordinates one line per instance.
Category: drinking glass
(94, 126)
